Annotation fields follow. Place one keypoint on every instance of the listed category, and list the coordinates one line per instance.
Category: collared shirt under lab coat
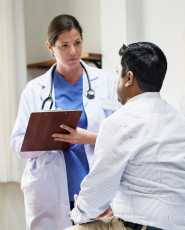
(44, 181)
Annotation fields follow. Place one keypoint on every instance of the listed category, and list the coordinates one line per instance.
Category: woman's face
(67, 49)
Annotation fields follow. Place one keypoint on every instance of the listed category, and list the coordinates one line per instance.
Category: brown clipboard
(42, 125)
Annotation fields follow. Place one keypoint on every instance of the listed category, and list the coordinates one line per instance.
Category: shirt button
(63, 175)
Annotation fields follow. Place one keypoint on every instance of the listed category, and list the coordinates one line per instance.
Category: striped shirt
(139, 161)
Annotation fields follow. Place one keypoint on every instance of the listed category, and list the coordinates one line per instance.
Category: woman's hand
(76, 136)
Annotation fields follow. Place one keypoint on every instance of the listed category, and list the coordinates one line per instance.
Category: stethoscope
(90, 94)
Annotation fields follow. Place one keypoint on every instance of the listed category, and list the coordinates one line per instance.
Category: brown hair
(61, 24)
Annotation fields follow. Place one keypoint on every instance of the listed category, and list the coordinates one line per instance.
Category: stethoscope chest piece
(90, 94)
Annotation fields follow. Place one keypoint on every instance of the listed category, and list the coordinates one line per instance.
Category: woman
(51, 178)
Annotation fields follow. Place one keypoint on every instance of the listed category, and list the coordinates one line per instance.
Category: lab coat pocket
(39, 186)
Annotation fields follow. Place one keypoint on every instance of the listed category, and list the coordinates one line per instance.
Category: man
(139, 156)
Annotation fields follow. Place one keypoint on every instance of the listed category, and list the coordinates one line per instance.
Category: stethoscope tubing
(89, 82)
(90, 94)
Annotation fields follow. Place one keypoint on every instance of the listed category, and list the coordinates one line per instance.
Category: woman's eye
(65, 45)
(78, 42)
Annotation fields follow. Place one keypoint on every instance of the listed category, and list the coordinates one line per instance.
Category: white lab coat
(44, 181)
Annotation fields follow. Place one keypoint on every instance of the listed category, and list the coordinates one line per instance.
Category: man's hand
(108, 213)
(76, 136)
(75, 198)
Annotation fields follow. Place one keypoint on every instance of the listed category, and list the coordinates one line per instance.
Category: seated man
(139, 159)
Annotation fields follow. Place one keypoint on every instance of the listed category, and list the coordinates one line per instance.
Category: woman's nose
(72, 50)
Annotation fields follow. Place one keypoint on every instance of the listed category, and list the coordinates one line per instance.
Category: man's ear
(48, 44)
(129, 77)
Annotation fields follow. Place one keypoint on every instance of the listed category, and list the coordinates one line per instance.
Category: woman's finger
(63, 140)
(67, 128)
(62, 136)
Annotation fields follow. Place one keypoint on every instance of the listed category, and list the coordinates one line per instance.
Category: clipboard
(42, 125)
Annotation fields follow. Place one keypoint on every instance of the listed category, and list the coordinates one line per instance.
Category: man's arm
(102, 183)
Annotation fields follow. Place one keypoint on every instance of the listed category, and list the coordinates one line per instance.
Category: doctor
(51, 178)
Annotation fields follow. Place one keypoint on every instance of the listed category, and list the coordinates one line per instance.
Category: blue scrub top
(70, 97)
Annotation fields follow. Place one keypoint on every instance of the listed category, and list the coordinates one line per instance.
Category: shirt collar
(144, 96)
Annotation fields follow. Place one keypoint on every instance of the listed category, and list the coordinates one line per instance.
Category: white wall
(88, 14)
(113, 32)
(161, 22)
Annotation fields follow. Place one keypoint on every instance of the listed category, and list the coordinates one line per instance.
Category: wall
(161, 22)
(113, 32)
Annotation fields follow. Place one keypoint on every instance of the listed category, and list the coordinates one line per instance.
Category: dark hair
(147, 62)
(61, 24)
